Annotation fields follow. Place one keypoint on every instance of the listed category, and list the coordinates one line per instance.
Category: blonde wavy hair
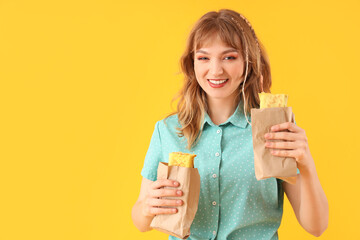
(236, 31)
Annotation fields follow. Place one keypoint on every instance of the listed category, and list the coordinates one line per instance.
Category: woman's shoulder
(169, 123)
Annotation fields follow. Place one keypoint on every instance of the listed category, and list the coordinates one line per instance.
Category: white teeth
(218, 82)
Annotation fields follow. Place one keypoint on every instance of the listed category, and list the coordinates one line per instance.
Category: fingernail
(178, 201)
(176, 183)
(267, 135)
(178, 192)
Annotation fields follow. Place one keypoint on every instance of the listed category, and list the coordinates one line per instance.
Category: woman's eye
(203, 58)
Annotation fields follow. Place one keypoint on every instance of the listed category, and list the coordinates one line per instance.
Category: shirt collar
(237, 118)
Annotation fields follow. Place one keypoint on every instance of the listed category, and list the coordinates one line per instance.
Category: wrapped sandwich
(181, 159)
(273, 110)
(180, 167)
(268, 100)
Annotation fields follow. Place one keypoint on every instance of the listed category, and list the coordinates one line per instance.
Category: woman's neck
(221, 109)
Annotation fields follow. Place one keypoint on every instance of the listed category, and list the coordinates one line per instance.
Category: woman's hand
(154, 205)
(295, 145)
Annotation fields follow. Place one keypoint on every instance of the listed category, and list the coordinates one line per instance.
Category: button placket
(217, 154)
(217, 159)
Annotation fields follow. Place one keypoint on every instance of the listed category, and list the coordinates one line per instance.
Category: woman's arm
(308, 201)
(307, 197)
(150, 202)
(141, 221)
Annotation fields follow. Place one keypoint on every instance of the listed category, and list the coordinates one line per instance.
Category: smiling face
(218, 69)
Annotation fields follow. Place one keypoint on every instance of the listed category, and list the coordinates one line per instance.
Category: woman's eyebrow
(226, 51)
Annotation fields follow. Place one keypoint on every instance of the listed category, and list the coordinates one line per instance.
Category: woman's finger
(161, 202)
(163, 192)
(165, 183)
(284, 153)
(292, 127)
(284, 145)
(160, 210)
(289, 136)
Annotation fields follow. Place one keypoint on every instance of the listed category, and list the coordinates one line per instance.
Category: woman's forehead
(209, 40)
(223, 48)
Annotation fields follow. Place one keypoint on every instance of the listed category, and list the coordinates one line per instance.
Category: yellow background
(82, 84)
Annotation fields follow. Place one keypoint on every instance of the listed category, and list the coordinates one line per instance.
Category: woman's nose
(216, 68)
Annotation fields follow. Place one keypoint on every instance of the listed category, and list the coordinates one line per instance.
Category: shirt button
(214, 203)
(214, 232)
(218, 131)
(214, 175)
(217, 154)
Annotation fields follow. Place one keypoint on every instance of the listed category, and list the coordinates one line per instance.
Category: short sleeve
(153, 155)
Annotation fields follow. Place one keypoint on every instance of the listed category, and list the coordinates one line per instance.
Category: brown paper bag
(266, 164)
(179, 224)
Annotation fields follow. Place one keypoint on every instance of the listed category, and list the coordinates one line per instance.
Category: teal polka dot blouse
(232, 203)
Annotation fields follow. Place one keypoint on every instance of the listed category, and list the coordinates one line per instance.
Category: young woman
(225, 67)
